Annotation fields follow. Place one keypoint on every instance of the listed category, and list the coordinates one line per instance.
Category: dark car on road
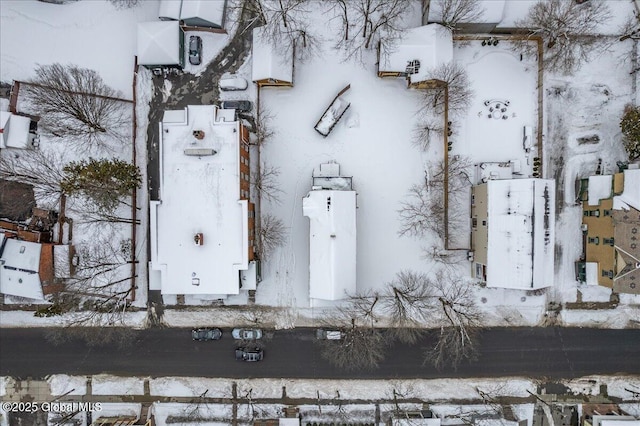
(249, 355)
(195, 50)
(203, 334)
(240, 106)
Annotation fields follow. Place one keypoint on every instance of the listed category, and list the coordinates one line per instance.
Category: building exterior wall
(245, 185)
(598, 239)
(479, 230)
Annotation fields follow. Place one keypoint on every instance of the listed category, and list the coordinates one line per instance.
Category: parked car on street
(246, 333)
(232, 82)
(249, 354)
(195, 50)
(202, 334)
(240, 106)
(328, 334)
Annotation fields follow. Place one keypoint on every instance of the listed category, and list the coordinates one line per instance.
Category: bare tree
(362, 346)
(408, 301)
(568, 29)
(124, 4)
(285, 24)
(265, 184)
(630, 29)
(42, 170)
(449, 259)
(423, 210)
(371, 20)
(427, 127)
(341, 9)
(76, 105)
(455, 12)
(98, 293)
(271, 235)
(460, 94)
(460, 320)
(262, 130)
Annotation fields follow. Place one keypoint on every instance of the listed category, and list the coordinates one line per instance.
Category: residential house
(331, 209)
(611, 231)
(496, 16)
(161, 44)
(194, 13)
(418, 51)
(606, 415)
(202, 224)
(270, 66)
(512, 233)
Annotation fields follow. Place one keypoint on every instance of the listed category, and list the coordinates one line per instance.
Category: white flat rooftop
(199, 194)
(332, 243)
(521, 222)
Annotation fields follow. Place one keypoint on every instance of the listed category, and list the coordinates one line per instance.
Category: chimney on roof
(198, 134)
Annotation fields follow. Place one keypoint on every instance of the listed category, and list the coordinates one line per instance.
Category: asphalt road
(536, 352)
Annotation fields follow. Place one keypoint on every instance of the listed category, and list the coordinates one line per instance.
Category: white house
(418, 51)
(512, 235)
(160, 43)
(202, 223)
(269, 66)
(331, 210)
(194, 13)
(19, 268)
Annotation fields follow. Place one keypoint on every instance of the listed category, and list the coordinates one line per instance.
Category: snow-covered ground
(372, 143)
(90, 34)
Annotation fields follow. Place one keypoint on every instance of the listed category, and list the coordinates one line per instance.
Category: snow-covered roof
(332, 243)
(203, 12)
(19, 266)
(600, 187)
(170, 9)
(416, 422)
(609, 420)
(431, 44)
(159, 43)
(199, 194)
(591, 272)
(520, 222)
(288, 422)
(15, 130)
(267, 63)
(630, 196)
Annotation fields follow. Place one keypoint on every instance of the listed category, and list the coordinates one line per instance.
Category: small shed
(270, 67)
(16, 131)
(418, 51)
(203, 13)
(160, 44)
(170, 10)
(492, 13)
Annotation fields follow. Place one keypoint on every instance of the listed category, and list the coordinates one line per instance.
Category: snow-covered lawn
(504, 101)
(372, 143)
(90, 34)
